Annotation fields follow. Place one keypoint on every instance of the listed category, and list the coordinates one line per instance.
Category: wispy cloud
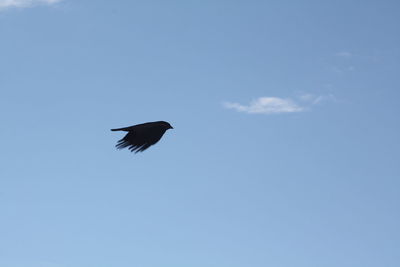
(266, 105)
(25, 3)
(343, 69)
(317, 99)
(344, 62)
(344, 54)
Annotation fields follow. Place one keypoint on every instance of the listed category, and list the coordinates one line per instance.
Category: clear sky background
(285, 151)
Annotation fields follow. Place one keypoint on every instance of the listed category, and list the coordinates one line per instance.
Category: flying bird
(141, 136)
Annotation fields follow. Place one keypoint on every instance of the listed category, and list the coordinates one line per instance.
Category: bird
(141, 136)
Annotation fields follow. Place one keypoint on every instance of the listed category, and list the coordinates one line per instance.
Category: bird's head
(167, 125)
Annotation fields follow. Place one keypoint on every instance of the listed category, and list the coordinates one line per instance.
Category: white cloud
(25, 3)
(266, 105)
(276, 105)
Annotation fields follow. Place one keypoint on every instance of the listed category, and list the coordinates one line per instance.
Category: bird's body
(141, 136)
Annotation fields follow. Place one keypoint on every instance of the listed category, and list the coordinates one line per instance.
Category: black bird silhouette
(141, 136)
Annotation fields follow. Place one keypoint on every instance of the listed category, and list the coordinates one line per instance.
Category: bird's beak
(172, 127)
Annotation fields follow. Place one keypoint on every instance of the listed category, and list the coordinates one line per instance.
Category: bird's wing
(141, 137)
(136, 127)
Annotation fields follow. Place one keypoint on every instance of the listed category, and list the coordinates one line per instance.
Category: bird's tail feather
(122, 144)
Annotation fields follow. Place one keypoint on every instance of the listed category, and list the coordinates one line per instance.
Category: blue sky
(285, 150)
